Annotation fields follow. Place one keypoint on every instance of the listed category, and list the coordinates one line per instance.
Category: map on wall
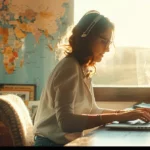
(18, 18)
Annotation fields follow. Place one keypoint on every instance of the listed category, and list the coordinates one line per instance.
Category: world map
(18, 18)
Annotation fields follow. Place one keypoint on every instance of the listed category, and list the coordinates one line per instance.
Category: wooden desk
(111, 137)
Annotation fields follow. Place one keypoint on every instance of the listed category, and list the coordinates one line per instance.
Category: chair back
(16, 120)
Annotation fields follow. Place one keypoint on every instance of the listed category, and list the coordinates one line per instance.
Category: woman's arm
(104, 118)
(65, 84)
(112, 111)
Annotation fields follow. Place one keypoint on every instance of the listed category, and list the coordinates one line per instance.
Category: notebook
(136, 125)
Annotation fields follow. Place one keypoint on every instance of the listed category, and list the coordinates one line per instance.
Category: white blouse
(68, 95)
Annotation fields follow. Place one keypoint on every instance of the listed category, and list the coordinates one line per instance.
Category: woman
(67, 105)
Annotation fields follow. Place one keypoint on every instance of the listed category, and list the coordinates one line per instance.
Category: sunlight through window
(129, 63)
(131, 19)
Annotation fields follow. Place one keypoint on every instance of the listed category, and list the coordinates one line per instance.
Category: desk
(111, 137)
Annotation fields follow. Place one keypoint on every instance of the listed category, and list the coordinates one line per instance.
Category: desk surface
(111, 137)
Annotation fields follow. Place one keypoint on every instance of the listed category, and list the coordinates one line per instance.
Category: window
(128, 64)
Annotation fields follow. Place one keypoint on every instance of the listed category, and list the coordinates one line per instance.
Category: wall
(39, 60)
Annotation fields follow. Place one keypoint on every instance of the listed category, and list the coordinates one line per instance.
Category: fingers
(147, 110)
(144, 109)
(141, 114)
(144, 115)
(144, 119)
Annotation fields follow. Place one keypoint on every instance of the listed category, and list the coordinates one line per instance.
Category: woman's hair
(88, 29)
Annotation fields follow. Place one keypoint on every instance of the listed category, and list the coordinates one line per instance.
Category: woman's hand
(139, 113)
(144, 109)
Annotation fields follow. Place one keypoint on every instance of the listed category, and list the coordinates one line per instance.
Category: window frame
(139, 94)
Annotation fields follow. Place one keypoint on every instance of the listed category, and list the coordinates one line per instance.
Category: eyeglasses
(105, 41)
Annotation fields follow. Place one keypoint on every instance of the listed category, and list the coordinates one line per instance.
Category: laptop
(134, 125)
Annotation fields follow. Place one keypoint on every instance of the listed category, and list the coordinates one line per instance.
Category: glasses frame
(105, 41)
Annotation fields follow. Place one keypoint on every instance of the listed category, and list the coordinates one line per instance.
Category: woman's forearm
(107, 116)
(102, 119)
(112, 111)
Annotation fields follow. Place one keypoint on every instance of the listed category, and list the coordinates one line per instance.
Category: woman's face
(101, 45)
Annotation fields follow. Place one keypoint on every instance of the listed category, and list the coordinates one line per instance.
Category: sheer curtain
(128, 63)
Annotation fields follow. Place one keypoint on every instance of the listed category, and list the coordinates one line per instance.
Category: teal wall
(39, 60)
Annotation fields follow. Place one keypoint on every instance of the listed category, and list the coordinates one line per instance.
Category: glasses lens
(106, 41)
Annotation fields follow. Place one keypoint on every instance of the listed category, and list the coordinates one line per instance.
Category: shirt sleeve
(65, 85)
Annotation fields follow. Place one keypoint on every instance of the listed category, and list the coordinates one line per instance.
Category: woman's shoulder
(67, 65)
(68, 62)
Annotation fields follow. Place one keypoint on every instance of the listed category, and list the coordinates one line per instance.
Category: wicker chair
(16, 128)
